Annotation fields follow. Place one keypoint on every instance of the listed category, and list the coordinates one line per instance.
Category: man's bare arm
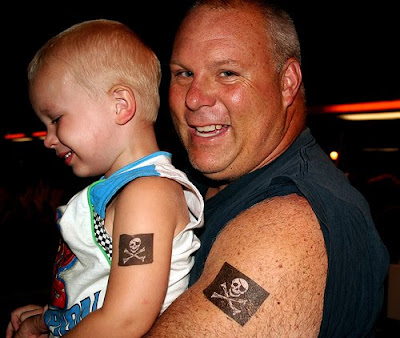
(277, 253)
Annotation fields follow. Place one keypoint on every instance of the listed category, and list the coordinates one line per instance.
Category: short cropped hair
(102, 53)
(280, 27)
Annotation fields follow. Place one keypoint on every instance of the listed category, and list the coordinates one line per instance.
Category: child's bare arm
(145, 215)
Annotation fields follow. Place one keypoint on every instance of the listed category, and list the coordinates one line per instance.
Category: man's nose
(199, 94)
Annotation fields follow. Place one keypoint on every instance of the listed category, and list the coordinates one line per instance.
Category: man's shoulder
(278, 211)
(282, 226)
(277, 246)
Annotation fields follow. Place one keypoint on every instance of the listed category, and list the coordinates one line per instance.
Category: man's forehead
(221, 22)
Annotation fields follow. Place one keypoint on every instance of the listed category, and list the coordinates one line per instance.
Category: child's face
(80, 129)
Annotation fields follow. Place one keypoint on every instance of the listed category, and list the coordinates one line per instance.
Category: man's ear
(125, 104)
(291, 81)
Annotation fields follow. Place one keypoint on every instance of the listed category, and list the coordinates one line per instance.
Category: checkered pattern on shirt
(101, 234)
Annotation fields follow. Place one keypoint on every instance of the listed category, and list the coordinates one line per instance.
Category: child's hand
(19, 315)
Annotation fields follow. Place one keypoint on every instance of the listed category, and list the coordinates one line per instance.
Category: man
(289, 247)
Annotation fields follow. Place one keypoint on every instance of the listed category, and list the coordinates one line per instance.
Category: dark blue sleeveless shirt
(357, 259)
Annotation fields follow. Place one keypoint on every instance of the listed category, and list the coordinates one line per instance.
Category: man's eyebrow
(174, 62)
(231, 62)
(219, 63)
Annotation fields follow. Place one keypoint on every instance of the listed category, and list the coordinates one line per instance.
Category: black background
(350, 49)
(350, 54)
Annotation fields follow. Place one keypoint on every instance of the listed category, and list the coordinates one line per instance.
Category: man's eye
(185, 73)
(227, 73)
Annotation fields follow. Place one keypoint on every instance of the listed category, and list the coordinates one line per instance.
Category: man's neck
(212, 191)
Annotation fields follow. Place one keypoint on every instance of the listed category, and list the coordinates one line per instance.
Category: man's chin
(205, 167)
(211, 172)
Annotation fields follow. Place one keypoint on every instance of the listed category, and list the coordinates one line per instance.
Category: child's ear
(125, 104)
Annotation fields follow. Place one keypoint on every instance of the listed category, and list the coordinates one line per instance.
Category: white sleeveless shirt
(83, 261)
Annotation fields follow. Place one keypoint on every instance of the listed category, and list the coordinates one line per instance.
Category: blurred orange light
(14, 136)
(39, 133)
(334, 155)
(22, 139)
(358, 107)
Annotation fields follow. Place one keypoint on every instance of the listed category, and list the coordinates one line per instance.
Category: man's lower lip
(207, 135)
(210, 134)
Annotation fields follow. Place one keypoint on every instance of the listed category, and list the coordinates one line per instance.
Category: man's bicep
(278, 245)
(265, 275)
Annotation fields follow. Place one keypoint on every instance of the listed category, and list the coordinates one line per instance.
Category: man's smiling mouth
(210, 130)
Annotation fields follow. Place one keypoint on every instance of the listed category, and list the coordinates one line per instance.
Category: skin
(31, 314)
(94, 136)
(222, 74)
(64, 107)
(234, 85)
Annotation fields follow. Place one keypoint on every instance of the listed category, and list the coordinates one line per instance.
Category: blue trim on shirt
(103, 190)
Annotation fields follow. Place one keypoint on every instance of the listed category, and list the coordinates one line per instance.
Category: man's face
(225, 95)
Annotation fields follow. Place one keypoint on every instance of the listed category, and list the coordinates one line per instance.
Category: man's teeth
(67, 155)
(206, 129)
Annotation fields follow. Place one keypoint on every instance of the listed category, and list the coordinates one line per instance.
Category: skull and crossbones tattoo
(239, 287)
(240, 296)
(134, 250)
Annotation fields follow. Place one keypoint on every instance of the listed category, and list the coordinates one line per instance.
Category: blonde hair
(101, 54)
